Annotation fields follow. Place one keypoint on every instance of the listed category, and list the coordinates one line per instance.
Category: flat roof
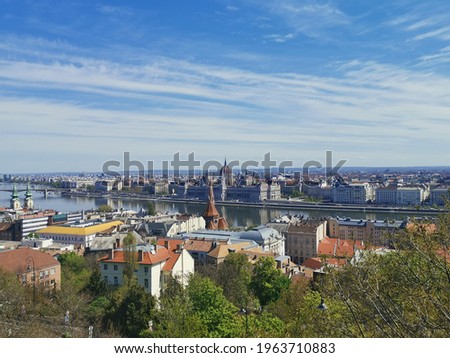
(79, 231)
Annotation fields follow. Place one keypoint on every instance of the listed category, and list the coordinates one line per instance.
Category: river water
(236, 216)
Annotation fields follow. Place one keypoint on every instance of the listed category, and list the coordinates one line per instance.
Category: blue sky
(81, 82)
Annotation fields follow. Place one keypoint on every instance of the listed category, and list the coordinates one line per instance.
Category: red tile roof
(316, 263)
(200, 245)
(339, 247)
(16, 260)
(161, 255)
(173, 254)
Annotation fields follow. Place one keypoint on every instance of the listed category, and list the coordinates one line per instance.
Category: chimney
(179, 248)
(111, 254)
(166, 244)
(335, 247)
(140, 255)
(118, 242)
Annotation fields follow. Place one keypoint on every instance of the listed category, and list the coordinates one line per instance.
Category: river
(235, 215)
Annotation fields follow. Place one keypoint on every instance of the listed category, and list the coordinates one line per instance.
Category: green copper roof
(14, 194)
(28, 194)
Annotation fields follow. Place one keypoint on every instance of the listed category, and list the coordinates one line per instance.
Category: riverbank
(271, 204)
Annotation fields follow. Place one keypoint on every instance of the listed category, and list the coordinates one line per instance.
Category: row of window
(116, 268)
(64, 238)
(116, 281)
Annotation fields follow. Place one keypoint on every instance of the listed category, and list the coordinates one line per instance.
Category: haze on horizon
(83, 82)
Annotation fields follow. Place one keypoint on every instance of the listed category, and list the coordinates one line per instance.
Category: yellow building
(78, 234)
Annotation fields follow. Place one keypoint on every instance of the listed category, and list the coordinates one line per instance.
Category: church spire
(14, 194)
(212, 217)
(28, 198)
(15, 202)
(28, 194)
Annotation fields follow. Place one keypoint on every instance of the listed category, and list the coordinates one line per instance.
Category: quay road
(284, 204)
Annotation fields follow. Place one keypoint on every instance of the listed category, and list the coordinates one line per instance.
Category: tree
(234, 275)
(290, 301)
(403, 293)
(75, 272)
(176, 317)
(151, 208)
(130, 255)
(130, 310)
(105, 208)
(96, 286)
(268, 282)
(217, 314)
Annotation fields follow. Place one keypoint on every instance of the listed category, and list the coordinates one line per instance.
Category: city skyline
(84, 82)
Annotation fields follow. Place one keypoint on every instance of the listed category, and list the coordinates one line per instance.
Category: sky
(83, 82)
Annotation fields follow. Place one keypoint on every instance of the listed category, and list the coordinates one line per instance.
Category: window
(105, 278)
(115, 268)
(52, 271)
(146, 269)
(116, 280)
(105, 266)
(146, 283)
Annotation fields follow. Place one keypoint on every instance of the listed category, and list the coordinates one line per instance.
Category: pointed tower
(15, 202)
(227, 173)
(212, 217)
(224, 181)
(28, 203)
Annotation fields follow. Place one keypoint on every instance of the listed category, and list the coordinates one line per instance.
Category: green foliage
(404, 293)
(264, 325)
(234, 275)
(309, 321)
(12, 295)
(151, 208)
(176, 317)
(130, 254)
(97, 309)
(75, 273)
(268, 282)
(290, 301)
(130, 310)
(96, 286)
(216, 313)
(72, 262)
(105, 208)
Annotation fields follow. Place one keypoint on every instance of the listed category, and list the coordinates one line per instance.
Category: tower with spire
(15, 202)
(212, 217)
(28, 203)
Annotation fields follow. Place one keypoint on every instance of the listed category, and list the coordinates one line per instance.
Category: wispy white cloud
(232, 8)
(181, 105)
(442, 56)
(442, 33)
(425, 22)
(114, 10)
(311, 18)
(280, 38)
